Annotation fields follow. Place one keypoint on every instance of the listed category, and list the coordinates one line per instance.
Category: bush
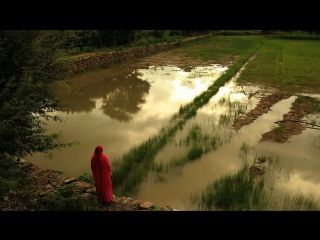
(175, 33)
(157, 33)
(86, 177)
(11, 175)
(195, 152)
(67, 200)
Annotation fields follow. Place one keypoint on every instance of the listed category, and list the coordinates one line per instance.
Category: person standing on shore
(101, 172)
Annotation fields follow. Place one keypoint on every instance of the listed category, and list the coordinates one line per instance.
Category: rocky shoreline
(45, 181)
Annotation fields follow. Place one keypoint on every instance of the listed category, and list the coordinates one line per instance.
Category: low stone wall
(90, 62)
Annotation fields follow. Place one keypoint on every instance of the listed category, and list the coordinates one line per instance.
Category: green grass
(299, 202)
(63, 199)
(233, 192)
(315, 105)
(66, 200)
(277, 129)
(195, 152)
(289, 64)
(225, 119)
(240, 191)
(86, 177)
(244, 150)
(56, 171)
(219, 48)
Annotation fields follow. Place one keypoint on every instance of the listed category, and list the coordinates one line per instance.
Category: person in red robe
(101, 172)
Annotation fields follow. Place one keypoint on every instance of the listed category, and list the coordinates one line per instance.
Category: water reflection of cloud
(186, 93)
(298, 184)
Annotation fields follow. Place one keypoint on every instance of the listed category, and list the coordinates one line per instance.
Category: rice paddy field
(168, 127)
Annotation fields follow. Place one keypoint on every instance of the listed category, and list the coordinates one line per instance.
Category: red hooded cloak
(101, 171)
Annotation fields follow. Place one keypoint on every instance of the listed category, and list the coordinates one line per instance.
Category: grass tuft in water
(300, 203)
(240, 191)
(195, 152)
(236, 191)
(244, 150)
(277, 129)
(224, 119)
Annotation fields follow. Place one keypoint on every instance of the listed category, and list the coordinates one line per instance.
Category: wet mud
(262, 107)
(291, 123)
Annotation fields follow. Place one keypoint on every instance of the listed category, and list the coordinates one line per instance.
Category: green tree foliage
(193, 32)
(82, 38)
(116, 37)
(310, 32)
(265, 31)
(29, 66)
(157, 33)
(175, 33)
(289, 31)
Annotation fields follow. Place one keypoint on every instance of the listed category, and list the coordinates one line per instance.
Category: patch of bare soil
(290, 124)
(263, 107)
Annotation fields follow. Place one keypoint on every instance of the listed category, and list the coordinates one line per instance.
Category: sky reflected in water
(122, 111)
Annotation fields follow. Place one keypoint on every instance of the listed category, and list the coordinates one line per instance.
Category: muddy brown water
(120, 111)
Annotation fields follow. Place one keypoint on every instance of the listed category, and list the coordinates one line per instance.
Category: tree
(196, 32)
(29, 66)
(111, 38)
(267, 31)
(289, 31)
(82, 38)
(310, 32)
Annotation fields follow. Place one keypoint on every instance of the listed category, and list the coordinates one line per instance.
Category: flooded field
(294, 170)
(123, 111)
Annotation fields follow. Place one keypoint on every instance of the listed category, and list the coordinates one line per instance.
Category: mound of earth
(291, 123)
(263, 107)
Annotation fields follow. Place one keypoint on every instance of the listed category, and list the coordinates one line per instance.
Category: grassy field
(288, 63)
(220, 47)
